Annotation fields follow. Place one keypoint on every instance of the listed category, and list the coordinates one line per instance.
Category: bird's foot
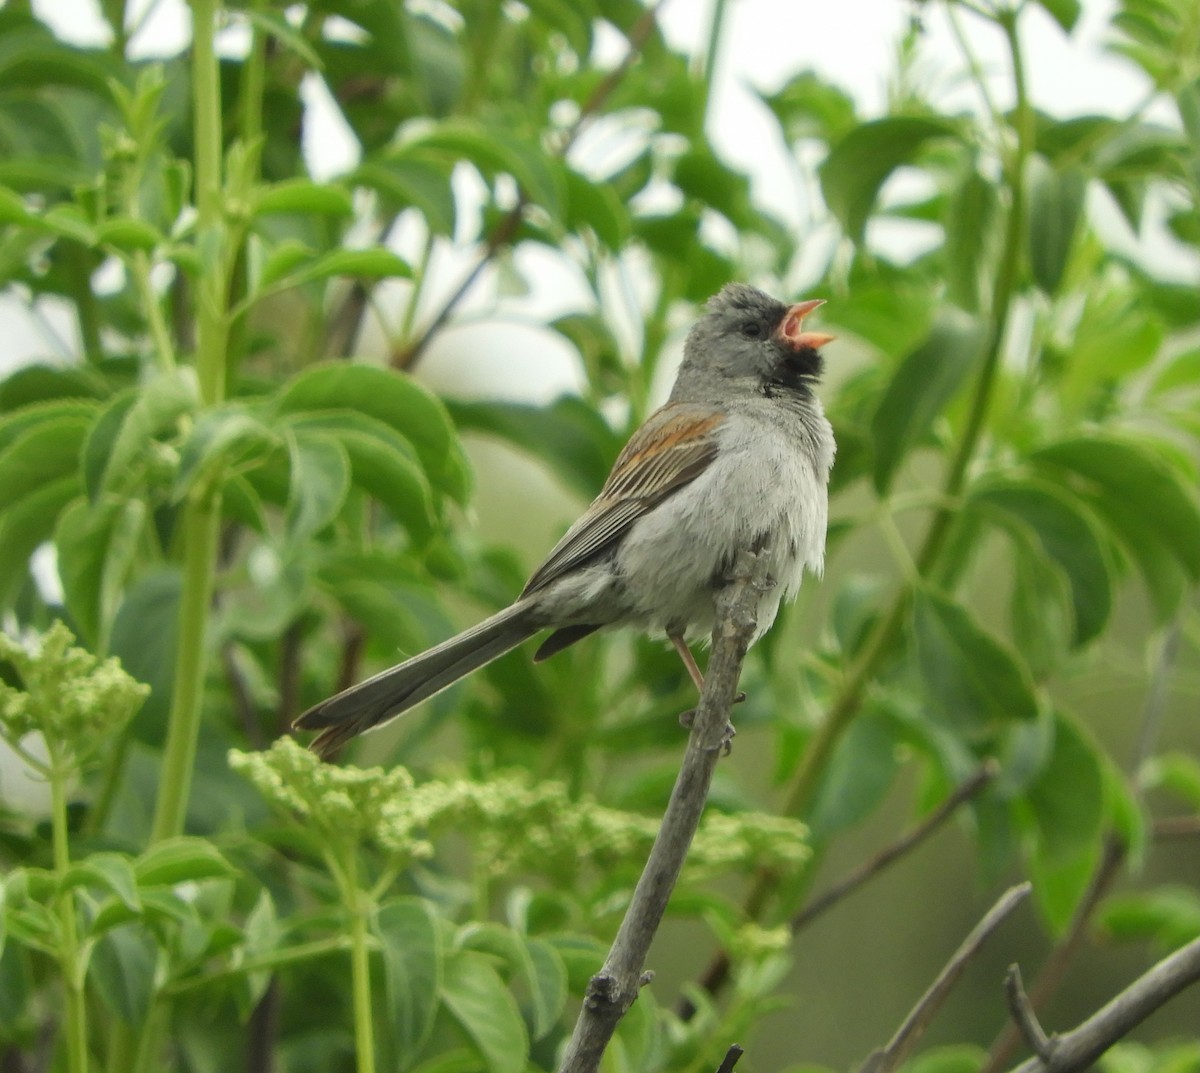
(686, 719)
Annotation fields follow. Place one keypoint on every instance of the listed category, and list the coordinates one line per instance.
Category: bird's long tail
(392, 692)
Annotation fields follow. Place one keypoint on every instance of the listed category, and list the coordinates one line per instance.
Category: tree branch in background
(1112, 857)
(731, 1058)
(1023, 1014)
(717, 973)
(615, 987)
(1075, 1051)
(506, 229)
(906, 1037)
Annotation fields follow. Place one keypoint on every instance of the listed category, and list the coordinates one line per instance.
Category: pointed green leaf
(303, 196)
(1055, 209)
(220, 438)
(1133, 487)
(178, 860)
(861, 162)
(121, 970)
(486, 1011)
(128, 233)
(412, 959)
(492, 150)
(318, 485)
(972, 677)
(971, 215)
(96, 549)
(393, 399)
(1064, 12)
(43, 453)
(25, 525)
(923, 384)
(1068, 535)
(405, 181)
(109, 871)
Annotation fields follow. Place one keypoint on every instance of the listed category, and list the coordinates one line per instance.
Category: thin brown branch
(343, 328)
(1023, 1014)
(1176, 827)
(907, 1035)
(506, 229)
(902, 846)
(717, 973)
(1076, 1050)
(615, 987)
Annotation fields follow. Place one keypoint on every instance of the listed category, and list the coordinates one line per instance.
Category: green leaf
(220, 438)
(319, 483)
(405, 181)
(303, 196)
(568, 435)
(1064, 12)
(128, 233)
(922, 385)
(43, 453)
(973, 678)
(545, 981)
(109, 871)
(58, 389)
(1068, 535)
(1179, 774)
(25, 525)
(1055, 208)
(281, 260)
(180, 860)
(143, 638)
(262, 934)
(808, 107)
(486, 1011)
(594, 206)
(1168, 915)
(125, 431)
(383, 464)
(493, 150)
(96, 549)
(547, 986)
(393, 399)
(861, 162)
(374, 263)
(971, 215)
(700, 174)
(1133, 487)
(858, 775)
(121, 970)
(412, 959)
(1067, 807)
(1043, 622)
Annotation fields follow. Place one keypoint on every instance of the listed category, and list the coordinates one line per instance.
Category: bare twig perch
(1075, 1051)
(615, 987)
(889, 1058)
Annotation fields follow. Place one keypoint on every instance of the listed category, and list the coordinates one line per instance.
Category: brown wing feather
(673, 447)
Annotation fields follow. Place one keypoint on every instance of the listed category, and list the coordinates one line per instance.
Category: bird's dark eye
(752, 330)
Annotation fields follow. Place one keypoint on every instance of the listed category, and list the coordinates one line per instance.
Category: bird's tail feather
(392, 692)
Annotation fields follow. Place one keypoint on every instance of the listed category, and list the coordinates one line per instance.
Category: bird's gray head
(750, 337)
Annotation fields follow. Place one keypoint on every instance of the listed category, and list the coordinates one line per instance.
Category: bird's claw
(686, 719)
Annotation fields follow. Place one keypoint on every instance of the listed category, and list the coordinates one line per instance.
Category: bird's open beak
(791, 331)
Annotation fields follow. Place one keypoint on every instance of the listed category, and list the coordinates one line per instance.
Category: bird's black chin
(796, 372)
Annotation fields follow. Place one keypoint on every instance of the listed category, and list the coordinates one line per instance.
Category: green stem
(87, 309)
(202, 513)
(360, 970)
(164, 348)
(710, 55)
(201, 532)
(277, 959)
(882, 638)
(75, 1015)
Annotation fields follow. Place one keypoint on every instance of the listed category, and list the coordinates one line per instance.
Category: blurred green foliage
(248, 515)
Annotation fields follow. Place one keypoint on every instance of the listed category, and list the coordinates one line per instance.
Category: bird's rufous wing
(673, 447)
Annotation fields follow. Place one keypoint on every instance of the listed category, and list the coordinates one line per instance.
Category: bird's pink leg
(689, 661)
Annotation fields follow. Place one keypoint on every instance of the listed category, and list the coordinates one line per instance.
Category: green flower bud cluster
(347, 804)
(75, 700)
(518, 825)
